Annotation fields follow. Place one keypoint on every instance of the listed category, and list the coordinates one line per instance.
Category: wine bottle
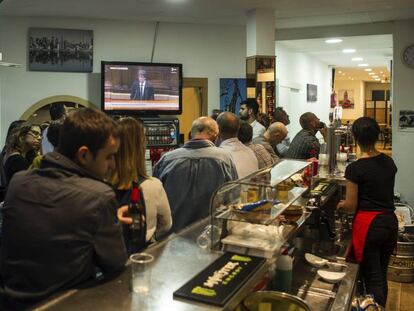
(136, 212)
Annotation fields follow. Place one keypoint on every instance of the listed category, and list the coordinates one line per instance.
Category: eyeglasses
(34, 134)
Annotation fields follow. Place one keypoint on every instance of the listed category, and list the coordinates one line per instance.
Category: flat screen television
(141, 88)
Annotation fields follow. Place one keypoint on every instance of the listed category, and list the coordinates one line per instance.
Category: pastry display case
(246, 213)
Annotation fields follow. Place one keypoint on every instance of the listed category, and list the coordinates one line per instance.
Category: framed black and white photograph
(311, 92)
(69, 50)
(406, 120)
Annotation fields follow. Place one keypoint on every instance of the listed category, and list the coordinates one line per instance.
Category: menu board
(219, 281)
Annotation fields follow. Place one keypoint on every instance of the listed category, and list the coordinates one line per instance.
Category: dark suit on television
(147, 94)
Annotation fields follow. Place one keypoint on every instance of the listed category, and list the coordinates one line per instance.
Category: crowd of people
(65, 213)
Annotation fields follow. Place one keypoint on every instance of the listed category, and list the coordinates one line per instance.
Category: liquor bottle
(136, 211)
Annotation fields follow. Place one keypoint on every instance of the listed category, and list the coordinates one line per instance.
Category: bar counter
(177, 260)
(323, 173)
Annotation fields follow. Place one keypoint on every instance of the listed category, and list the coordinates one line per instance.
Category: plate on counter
(331, 277)
(315, 261)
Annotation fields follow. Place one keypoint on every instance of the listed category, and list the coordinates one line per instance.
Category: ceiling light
(343, 74)
(375, 76)
(348, 51)
(352, 79)
(382, 81)
(368, 69)
(357, 59)
(381, 72)
(333, 40)
(371, 73)
(363, 65)
(339, 71)
(377, 79)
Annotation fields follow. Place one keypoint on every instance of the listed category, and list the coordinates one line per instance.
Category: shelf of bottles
(261, 81)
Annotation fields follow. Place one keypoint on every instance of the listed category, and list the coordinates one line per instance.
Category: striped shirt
(262, 155)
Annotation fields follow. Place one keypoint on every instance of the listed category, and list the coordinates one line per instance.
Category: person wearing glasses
(23, 141)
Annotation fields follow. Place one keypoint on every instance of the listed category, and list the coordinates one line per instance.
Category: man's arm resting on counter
(351, 199)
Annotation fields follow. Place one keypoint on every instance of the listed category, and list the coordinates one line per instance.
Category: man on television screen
(141, 89)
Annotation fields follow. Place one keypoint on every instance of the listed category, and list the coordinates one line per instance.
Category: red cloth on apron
(360, 226)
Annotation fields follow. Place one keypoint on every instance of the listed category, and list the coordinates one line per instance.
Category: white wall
(403, 99)
(358, 88)
(293, 71)
(204, 50)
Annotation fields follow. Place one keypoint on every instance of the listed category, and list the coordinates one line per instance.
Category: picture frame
(232, 92)
(406, 120)
(311, 92)
(64, 50)
(346, 98)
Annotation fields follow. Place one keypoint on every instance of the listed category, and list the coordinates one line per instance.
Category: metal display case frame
(266, 184)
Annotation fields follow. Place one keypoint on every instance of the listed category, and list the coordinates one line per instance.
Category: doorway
(38, 113)
(194, 103)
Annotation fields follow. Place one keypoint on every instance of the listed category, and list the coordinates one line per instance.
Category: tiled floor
(400, 296)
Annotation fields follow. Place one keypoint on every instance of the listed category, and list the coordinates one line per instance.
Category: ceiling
(288, 13)
(352, 74)
(376, 50)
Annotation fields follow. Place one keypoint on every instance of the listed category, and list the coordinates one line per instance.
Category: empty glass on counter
(141, 272)
(204, 239)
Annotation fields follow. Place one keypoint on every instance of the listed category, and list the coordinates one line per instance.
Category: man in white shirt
(249, 110)
(57, 112)
(280, 115)
(243, 157)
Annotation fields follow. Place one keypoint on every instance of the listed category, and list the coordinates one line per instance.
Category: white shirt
(46, 145)
(156, 206)
(141, 88)
(258, 129)
(243, 157)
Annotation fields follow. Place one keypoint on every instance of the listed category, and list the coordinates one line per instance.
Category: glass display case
(245, 214)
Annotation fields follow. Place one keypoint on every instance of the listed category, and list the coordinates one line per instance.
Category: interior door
(191, 109)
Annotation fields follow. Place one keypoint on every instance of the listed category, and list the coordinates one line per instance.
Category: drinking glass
(141, 272)
(204, 239)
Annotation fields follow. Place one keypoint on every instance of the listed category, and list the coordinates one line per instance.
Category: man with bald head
(192, 173)
(305, 145)
(274, 134)
(243, 157)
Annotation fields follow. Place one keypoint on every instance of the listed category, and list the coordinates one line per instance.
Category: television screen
(141, 88)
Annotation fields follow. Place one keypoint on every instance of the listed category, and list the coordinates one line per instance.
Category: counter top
(177, 260)
(323, 173)
(320, 294)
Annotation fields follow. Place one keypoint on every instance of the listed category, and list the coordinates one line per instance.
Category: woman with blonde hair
(130, 166)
